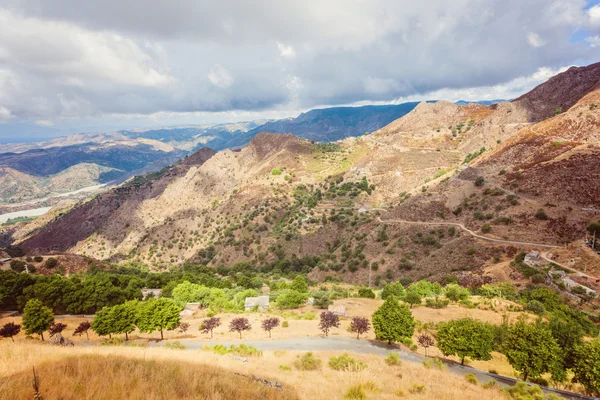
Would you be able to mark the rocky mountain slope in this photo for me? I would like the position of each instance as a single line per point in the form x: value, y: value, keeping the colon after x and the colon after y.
x: 341, y: 209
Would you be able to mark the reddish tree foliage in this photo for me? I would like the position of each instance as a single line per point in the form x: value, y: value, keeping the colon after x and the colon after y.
x: 270, y: 323
x: 360, y: 325
x: 328, y: 320
x: 57, y: 328
x: 425, y: 341
x: 239, y: 325
x: 184, y: 327
x: 9, y: 330
x: 208, y: 325
x: 83, y: 327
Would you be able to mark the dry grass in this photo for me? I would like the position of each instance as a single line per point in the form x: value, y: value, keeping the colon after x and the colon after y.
x: 88, y: 370
x: 116, y: 377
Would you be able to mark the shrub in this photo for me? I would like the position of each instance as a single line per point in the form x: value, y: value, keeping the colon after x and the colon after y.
x: 366, y: 293
x: 416, y: 388
x: 276, y: 171
x: 322, y: 299
x: 346, y: 363
x: 285, y: 368
x: 176, y: 345
x: 456, y: 292
x: 290, y: 299
x: 38, y: 258
x: 356, y: 392
x: 480, y: 181
x: 471, y: 379
x: 490, y: 385
x: 486, y: 228
x: 51, y: 262
x: 541, y: 214
x: 308, y: 362
x: 434, y: 363
x: 285, y: 324
x: 393, y: 359
x: 536, y: 307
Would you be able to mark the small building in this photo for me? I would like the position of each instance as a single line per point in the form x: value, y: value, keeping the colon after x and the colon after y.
x: 151, y: 293
x: 337, y: 310
x: 533, y: 258
x: 262, y: 302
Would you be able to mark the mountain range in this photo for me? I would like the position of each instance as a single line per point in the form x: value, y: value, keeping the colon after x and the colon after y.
x: 30, y: 171
x: 443, y: 189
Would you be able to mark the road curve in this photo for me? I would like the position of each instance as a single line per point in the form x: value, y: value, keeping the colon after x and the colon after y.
x: 470, y: 232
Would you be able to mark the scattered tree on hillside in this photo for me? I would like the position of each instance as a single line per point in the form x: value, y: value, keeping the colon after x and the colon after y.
x: 183, y: 327
x: 586, y: 366
x: 393, y: 289
x: 568, y: 335
x: 322, y: 299
x: 270, y: 323
x: 56, y: 328
x: 328, y: 320
x: 159, y: 314
x: 37, y: 318
x: 465, y: 338
x: 299, y: 284
x: 9, y: 330
x: 532, y: 350
x: 412, y: 298
x: 102, y: 323
x: 239, y: 325
x: 393, y: 321
x: 360, y: 325
x: 210, y: 324
x: 425, y: 341
x: 83, y: 328
x: 51, y: 262
x: 124, y: 317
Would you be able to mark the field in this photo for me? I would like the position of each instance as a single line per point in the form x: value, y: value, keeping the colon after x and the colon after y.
x: 163, y: 373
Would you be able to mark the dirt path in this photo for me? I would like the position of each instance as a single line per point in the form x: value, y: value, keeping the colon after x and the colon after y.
x: 470, y: 232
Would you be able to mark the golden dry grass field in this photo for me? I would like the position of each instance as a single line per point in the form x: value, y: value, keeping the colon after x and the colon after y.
x: 106, y: 372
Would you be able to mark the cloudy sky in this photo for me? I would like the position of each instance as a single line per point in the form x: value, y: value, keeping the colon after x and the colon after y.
x: 70, y: 66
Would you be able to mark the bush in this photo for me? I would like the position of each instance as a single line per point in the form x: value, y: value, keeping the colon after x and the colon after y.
x: 486, y: 228
x: 434, y: 363
x: 285, y: 368
x: 490, y: 385
x: 393, y: 359
x: 541, y: 214
x: 176, y: 345
x: 456, y: 292
x: 480, y: 181
x: 346, y: 363
x: 536, y: 307
x: 308, y: 362
x: 38, y: 258
x: 285, y: 324
x: 356, y: 392
x: 366, y: 293
x: 276, y: 171
x: 290, y: 299
x: 416, y: 388
x: 437, y: 302
x: 51, y: 262
x: 471, y: 379
x: 322, y: 299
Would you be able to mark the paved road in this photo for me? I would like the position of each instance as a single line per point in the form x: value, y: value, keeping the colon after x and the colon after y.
x: 470, y: 232
x: 365, y: 347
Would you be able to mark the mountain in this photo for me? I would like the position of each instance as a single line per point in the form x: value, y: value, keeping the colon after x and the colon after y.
x: 375, y: 205
x: 331, y: 124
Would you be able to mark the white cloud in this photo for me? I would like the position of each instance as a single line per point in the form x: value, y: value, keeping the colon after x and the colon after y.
x: 286, y: 52
x: 535, y: 40
x: 594, y: 15
x: 44, y: 122
x: 593, y: 41
x: 5, y: 114
x: 220, y: 77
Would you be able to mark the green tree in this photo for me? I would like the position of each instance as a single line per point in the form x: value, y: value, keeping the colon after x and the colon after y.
x: 322, y: 299
x: 37, y: 318
x: 456, y: 292
x: 393, y: 321
x: 159, y: 314
x: 393, y: 289
x: 124, y: 317
x: 586, y: 366
x: 290, y: 299
x: 299, y: 284
x: 465, y: 337
x: 413, y: 298
x: 568, y: 335
x: 103, y: 322
x: 532, y: 350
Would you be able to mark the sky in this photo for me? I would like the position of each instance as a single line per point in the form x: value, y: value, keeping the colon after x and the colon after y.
x: 78, y: 66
